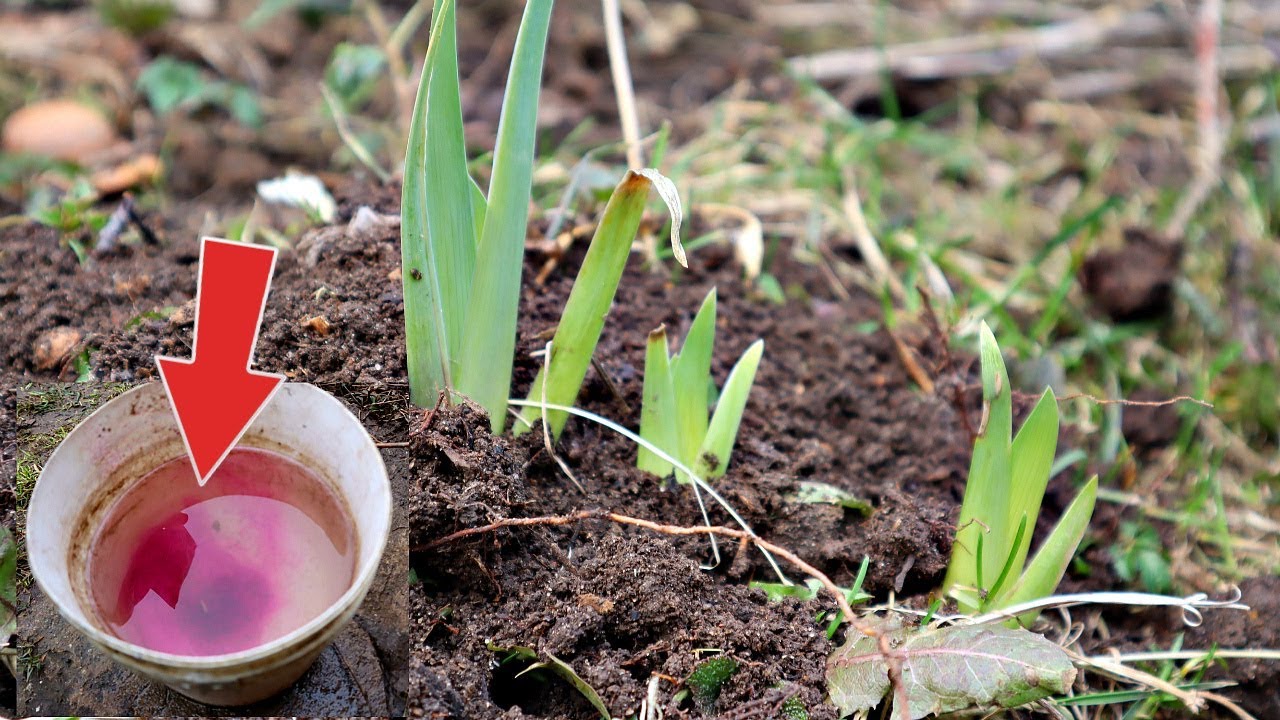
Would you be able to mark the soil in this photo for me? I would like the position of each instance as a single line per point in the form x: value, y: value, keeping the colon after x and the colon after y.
x: 831, y: 404
x: 1256, y: 628
x: 1134, y: 281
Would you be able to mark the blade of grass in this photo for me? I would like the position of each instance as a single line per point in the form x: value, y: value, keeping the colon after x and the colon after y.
x: 426, y: 343
x: 984, y: 510
x: 690, y: 374
x: 1050, y: 562
x: 484, y: 373
x: 658, y: 407
x: 450, y: 229
x: 1032, y: 456
x: 713, y: 456
x: 589, y: 301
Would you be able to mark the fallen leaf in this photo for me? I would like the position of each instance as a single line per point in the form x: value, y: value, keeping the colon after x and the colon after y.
x: 948, y: 669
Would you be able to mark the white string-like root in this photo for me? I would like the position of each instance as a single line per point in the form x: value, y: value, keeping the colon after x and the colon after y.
x: 1191, y: 605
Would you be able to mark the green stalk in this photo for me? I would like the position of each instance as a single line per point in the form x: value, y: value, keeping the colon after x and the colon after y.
x: 1032, y: 457
x: 985, y: 509
x: 691, y: 375
x: 451, y: 235
x: 484, y: 372
x: 1050, y: 562
x: 658, y: 406
x: 713, y: 456
x: 426, y: 338
x: 588, y: 304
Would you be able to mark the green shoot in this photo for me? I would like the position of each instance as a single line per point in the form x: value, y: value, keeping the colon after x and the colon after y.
x: 589, y: 300
x: 676, y: 399
x: 1007, y: 480
x: 463, y: 253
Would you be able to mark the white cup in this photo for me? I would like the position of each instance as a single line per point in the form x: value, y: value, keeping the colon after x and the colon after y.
x: 136, y: 433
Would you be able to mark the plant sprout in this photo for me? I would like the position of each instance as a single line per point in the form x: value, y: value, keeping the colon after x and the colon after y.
x: 463, y: 253
x: 1007, y: 480
x: 677, y: 390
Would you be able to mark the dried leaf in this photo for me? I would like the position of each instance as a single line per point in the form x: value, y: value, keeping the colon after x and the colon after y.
x: 949, y: 669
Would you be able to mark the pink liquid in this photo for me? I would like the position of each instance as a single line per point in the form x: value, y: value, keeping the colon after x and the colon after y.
x: 264, y: 547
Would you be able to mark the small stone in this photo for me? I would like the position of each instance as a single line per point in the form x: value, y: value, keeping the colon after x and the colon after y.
x: 53, y: 347
x: 395, y: 275
x: 142, y: 170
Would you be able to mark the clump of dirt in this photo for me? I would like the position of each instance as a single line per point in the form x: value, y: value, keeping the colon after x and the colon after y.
x: 1135, y: 281
x: 1150, y: 427
x: 1256, y: 628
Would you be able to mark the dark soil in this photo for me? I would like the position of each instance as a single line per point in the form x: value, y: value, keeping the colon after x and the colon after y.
x: 1257, y: 628
x: 1134, y: 281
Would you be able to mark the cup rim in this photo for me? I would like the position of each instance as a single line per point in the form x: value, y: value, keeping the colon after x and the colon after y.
x: 358, y: 588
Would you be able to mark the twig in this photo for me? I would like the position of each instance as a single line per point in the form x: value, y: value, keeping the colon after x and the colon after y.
x: 1139, y: 403
x: 912, y: 367
x: 349, y: 138
x: 401, y: 82
x: 981, y: 53
x: 622, y: 87
x: 866, y: 242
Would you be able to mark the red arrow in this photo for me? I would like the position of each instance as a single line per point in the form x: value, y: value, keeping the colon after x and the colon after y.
x: 215, y: 395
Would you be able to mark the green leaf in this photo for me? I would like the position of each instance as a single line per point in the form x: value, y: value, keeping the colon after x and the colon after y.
x: 658, y: 406
x: 820, y: 493
x: 775, y: 592
x: 722, y: 432
x: 1031, y: 459
x: 566, y: 671
x: 985, y: 509
x: 168, y: 83
x: 588, y: 304
x: 1050, y: 562
x: 450, y: 214
x: 484, y: 373
x: 353, y: 72
x: 426, y: 341
x: 949, y: 669
x: 8, y: 586
x: 690, y: 374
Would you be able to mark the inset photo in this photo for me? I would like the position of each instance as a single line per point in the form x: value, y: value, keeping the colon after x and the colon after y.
x: 277, y: 586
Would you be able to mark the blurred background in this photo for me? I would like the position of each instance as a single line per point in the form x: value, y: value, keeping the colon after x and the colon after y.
x: 1099, y: 180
